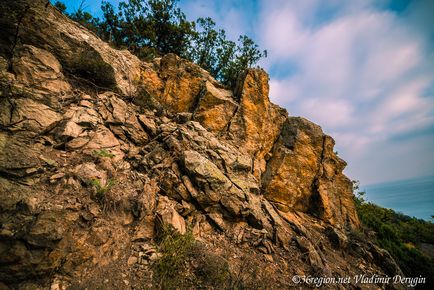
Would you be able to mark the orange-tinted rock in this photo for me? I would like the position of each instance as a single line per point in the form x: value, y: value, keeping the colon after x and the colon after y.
x: 183, y: 83
x: 216, y: 108
x: 150, y: 85
x: 304, y: 174
x: 257, y: 122
x: 335, y: 190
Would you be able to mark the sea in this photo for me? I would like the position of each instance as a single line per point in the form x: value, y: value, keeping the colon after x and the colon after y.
x: 413, y: 197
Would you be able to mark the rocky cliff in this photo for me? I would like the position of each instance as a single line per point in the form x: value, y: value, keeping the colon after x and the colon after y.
x: 99, y: 151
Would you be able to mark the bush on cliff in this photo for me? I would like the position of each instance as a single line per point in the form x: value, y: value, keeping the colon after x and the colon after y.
x: 399, y: 234
x: 186, y: 263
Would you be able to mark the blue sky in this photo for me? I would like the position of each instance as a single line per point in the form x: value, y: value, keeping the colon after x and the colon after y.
x: 362, y: 69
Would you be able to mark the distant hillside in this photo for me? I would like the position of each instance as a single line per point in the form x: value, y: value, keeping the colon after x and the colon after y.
x: 408, y: 239
x: 414, y: 197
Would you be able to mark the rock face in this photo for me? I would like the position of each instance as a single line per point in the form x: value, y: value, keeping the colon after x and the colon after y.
x: 99, y: 151
x: 305, y: 174
x: 257, y: 124
x: 77, y: 50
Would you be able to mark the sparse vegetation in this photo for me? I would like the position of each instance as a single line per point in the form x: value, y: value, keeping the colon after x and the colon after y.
x: 210, y: 269
x: 175, y: 249
x: 101, y: 189
x: 103, y: 154
x: 186, y: 264
x: 401, y: 235
x: 249, y: 274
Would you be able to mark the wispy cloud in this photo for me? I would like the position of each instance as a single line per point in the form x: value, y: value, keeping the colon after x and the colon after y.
x: 361, y: 71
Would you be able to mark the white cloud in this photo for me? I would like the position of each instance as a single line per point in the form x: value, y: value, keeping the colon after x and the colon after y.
x: 283, y: 34
x: 336, y: 114
x: 283, y: 91
x: 353, y: 142
x: 403, y: 101
x: 384, y: 162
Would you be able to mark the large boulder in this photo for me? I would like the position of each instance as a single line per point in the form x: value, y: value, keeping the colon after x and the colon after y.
x: 304, y: 174
x: 256, y: 124
x: 17, y: 158
x: 28, y: 115
x: 38, y: 68
x: 177, y: 86
x: 182, y: 83
x: 216, y: 107
x: 79, y: 51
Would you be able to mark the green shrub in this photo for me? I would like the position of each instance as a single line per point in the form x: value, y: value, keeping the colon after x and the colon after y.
x: 100, y: 189
x: 187, y: 264
x: 210, y: 269
x: 394, y: 232
x: 102, y: 153
x: 170, y: 269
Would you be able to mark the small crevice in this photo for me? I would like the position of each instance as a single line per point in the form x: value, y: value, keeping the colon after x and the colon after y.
x: 268, y: 162
x: 316, y: 204
x: 272, y: 202
x: 12, y: 111
x: 227, y: 127
x: 16, y: 38
x: 198, y: 98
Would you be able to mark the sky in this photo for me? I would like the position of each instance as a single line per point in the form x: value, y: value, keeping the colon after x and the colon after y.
x: 362, y: 69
